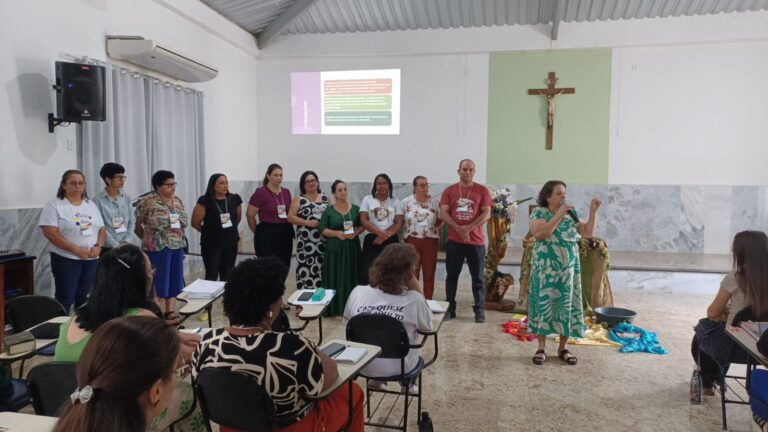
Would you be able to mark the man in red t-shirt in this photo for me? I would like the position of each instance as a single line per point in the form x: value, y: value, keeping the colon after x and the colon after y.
x: 465, y: 207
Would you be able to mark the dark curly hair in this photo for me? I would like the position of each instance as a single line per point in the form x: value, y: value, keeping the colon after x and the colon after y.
x: 393, y: 268
x: 386, y: 179
x: 252, y: 287
x: 546, y: 191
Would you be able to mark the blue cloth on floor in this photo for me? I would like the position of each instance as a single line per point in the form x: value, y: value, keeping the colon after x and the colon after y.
x: 647, y: 342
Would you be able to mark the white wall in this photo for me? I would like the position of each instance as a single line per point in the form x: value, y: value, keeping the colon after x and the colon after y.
x: 693, y: 114
x: 444, y: 104
x: 689, y: 95
x: 34, y: 34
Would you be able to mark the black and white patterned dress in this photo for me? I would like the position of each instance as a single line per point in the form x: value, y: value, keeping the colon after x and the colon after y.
x: 285, y: 364
x: 310, y: 245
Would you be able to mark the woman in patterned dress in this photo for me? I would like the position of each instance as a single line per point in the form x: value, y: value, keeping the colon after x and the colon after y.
x: 555, y: 297
x: 305, y: 212
x: 288, y: 366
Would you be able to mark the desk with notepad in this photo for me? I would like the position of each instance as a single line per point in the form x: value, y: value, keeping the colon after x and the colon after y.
x: 199, y: 296
x: 14, y: 421
x: 348, y: 370
x: 40, y: 344
x: 311, y: 309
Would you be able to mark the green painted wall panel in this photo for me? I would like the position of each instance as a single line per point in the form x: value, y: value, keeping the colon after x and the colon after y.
x: 517, y: 121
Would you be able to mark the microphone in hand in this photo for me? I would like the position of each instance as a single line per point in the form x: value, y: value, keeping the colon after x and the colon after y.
x: 571, y: 212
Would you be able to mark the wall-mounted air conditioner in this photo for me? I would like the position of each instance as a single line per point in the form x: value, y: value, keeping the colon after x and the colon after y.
x: 151, y: 55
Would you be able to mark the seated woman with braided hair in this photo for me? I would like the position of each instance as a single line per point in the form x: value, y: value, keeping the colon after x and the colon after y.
x: 125, y: 376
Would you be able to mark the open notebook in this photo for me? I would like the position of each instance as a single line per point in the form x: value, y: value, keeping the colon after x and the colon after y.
x: 435, y: 306
x: 351, y: 355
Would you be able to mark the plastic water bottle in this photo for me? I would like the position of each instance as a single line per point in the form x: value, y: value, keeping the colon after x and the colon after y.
x: 695, y: 391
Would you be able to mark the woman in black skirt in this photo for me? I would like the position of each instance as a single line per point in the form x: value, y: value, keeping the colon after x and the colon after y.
x: 273, y: 235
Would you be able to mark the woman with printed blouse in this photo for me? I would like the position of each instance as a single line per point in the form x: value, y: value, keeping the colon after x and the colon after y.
x: 286, y: 365
x: 305, y: 212
x: 382, y: 217
x: 273, y: 235
x: 73, y: 225
x: 422, y: 225
x: 160, y: 222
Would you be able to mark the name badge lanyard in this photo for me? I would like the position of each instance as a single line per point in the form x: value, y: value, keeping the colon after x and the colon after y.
x: 226, y: 219
x: 118, y: 222
x: 280, y: 205
x: 173, y: 216
x: 349, y: 227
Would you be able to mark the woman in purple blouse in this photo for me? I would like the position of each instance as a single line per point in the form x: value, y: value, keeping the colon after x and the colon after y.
x: 273, y: 235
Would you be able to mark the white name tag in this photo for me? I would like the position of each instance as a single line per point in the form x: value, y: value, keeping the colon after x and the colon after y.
x: 281, y: 212
x: 349, y: 227
x: 226, y: 220
x: 422, y: 218
x: 84, y: 223
x: 175, y: 222
x: 118, y: 223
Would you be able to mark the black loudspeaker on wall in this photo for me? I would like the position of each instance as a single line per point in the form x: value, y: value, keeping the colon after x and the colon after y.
x: 79, y: 94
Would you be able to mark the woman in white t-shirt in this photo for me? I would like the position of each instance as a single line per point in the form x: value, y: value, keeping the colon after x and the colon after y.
x: 73, y: 225
x: 382, y: 217
x: 393, y: 291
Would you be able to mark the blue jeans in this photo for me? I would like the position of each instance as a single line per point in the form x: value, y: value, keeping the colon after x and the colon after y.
x: 455, y: 254
x: 73, y: 279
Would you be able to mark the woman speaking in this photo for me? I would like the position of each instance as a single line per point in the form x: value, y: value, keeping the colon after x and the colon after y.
x: 555, y: 297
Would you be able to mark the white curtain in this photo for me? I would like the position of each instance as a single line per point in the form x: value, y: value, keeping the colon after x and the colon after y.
x: 151, y: 125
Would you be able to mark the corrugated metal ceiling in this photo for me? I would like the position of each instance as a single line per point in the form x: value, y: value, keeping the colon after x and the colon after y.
x: 344, y: 16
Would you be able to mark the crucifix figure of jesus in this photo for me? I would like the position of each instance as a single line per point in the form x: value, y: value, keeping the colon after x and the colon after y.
x: 550, y: 93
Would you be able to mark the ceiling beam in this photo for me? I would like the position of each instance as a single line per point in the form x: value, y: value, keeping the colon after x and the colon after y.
x: 274, y: 29
x: 557, y: 13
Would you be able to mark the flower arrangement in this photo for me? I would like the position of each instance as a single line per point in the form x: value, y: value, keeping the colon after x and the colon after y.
x: 588, y: 244
x: 503, y: 203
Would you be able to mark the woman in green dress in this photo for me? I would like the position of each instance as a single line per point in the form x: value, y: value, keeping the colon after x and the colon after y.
x: 554, y: 304
x: 340, y: 225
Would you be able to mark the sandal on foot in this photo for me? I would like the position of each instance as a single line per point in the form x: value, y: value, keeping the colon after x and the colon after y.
x: 172, y: 318
x: 567, y: 357
x: 539, y: 357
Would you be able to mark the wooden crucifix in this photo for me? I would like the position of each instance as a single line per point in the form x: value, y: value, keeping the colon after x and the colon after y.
x: 550, y: 93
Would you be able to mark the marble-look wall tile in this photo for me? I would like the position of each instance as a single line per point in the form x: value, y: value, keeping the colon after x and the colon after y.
x: 745, y: 206
x: 716, y: 209
x: 649, y: 218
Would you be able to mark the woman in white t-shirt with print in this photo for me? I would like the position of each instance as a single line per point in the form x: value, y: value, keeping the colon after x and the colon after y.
x: 422, y: 225
x: 393, y: 291
x: 73, y: 225
x: 382, y: 217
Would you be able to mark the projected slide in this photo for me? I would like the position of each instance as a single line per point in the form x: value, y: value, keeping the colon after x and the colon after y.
x: 346, y: 102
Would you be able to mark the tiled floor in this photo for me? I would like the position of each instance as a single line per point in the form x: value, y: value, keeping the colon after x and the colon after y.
x: 484, y: 380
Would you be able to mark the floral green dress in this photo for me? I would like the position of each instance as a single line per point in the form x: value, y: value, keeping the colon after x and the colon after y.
x: 554, y: 304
